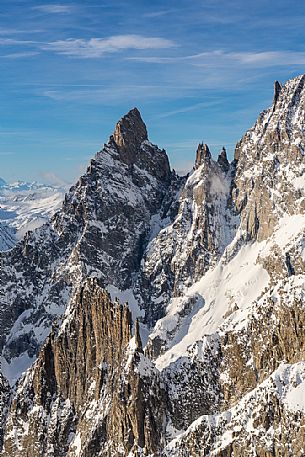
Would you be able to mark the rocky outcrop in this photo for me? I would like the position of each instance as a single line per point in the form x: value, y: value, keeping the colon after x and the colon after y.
x: 203, y: 155
x: 129, y: 133
x: 262, y: 424
x: 91, y: 386
x: 253, y: 353
x: 270, y: 163
x: 193, y: 383
x: 186, y: 249
x: 223, y: 160
x: 277, y: 90
x: 255, y: 378
x: 5, y: 395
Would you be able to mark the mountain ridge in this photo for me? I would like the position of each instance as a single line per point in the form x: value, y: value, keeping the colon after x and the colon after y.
x: 212, y: 266
x: 25, y: 206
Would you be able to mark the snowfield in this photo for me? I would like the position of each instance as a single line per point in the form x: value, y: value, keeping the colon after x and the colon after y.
x: 24, y: 207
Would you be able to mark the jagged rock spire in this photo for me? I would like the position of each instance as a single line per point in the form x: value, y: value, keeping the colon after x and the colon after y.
x: 203, y: 155
x: 137, y: 335
x: 130, y: 144
x: 130, y: 132
x: 223, y: 160
x: 277, y: 91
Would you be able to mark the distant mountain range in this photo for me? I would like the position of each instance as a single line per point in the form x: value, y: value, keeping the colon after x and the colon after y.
x: 25, y: 206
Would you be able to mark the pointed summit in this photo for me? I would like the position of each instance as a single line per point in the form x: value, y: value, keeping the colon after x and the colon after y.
x: 203, y: 155
x: 130, y: 131
x: 277, y: 91
x: 132, y: 147
x: 223, y: 160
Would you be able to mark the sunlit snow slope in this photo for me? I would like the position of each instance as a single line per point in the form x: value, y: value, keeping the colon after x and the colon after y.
x: 25, y: 206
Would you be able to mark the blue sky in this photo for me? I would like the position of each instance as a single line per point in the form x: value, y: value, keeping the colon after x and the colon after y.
x: 197, y: 70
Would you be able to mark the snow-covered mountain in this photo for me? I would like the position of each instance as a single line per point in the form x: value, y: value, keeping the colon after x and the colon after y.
x: 207, y: 358
x: 25, y: 206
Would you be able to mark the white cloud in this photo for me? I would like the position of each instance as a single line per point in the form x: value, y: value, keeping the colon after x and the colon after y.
x: 10, y: 31
x: 261, y: 59
x: 186, y: 109
x: 12, y: 42
x: 270, y: 58
x: 218, y: 58
x: 53, y: 9
x: 97, y: 47
x: 160, y: 13
x: 19, y: 55
x: 112, y: 94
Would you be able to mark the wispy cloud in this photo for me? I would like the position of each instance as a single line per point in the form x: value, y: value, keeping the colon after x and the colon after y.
x: 20, y: 55
x: 262, y: 59
x: 53, y: 9
x: 155, y: 14
x: 116, y: 93
x: 12, y: 31
x: 221, y: 58
x: 90, y: 48
x: 97, y: 47
x: 187, y: 109
x: 6, y: 153
x: 13, y: 42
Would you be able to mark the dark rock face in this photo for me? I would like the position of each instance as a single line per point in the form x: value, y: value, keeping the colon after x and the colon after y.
x: 193, y: 384
x: 91, y: 385
x: 5, y: 395
x: 131, y: 139
x: 223, y: 161
x: 277, y: 91
x: 129, y: 134
x: 203, y: 155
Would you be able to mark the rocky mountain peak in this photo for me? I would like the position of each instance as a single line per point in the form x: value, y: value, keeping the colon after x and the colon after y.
x: 270, y: 162
x: 131, y: 145
x: 212, y: 266
x: 203, y: 155
x: 130, y: 131
x: 223, y: 160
